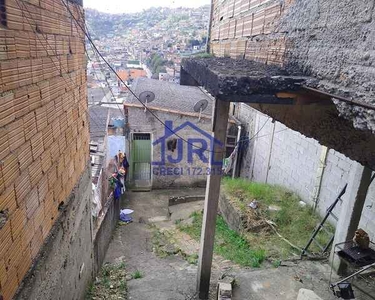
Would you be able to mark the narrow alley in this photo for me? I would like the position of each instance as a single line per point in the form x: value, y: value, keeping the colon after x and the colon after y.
x: 170, y: 278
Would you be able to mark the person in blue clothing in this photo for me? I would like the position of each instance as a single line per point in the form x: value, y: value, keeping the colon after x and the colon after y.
x: 118, y: 186
x: 125, y: 165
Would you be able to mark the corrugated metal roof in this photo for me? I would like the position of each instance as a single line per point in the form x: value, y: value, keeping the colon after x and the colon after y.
x: 170, y: 95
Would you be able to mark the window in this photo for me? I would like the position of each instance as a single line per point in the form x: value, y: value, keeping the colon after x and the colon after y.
x: 141, y: 137
x: 3, y: 14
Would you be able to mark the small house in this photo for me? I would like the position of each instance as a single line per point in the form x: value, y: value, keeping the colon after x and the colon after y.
x: 169, y: 135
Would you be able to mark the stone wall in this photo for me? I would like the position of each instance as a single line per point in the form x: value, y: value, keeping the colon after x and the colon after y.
x: 284, y: 157
x: 231, y: 215
x: 43, y: 144
x: 332, y: 40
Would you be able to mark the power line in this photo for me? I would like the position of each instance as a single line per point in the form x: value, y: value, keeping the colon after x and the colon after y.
x: 130, y: 90
x: 136, y: 97
x: 98, y: 60
x: 246, y: 140
x: 256, y: 134
x: 36, y: 34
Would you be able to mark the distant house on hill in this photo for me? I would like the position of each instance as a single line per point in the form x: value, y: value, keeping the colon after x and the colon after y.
x: 164, y: 76
x: 134, y: 64
x: 129, y: 75
x: 158, y: 157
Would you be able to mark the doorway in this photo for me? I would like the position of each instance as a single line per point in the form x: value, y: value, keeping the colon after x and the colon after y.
x: 141, y: 161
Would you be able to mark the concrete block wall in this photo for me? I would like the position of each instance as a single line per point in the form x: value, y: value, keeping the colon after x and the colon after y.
x: 294, y: 162
x: 259, y: 162
x: 335, y: 176
x: 43, y: 128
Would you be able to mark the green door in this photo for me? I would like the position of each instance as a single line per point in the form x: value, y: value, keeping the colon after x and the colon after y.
x: 141, y: 160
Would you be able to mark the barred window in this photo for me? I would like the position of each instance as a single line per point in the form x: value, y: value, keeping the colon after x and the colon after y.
x: 3, y: 13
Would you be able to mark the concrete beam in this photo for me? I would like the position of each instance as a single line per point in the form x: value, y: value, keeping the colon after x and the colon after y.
x: 220, y: 122
x: 187, y: 79
x: 323, y: 123
x: 351, y: 210
x: 237, y: 80
x: 286, y: 97
x: 264, y: 99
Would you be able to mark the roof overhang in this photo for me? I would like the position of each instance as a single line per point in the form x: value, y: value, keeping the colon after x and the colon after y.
x: 284, y: 97
x: 176, y: 112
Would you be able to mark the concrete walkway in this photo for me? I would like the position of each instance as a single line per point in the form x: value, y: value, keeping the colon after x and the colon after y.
x: 170, y: 278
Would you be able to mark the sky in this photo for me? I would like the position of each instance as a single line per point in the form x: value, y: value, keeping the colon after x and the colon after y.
x: 131, y: 6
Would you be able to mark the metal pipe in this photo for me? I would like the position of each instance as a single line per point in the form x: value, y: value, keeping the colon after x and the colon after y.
x: 353, y: 275
x: 238, y: 151
x: 343, y: 99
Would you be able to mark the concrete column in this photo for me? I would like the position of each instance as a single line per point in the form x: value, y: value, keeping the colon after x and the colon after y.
x: 220, y: 123
x: 351, y: 210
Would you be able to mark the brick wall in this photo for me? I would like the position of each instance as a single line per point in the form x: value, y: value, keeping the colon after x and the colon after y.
x: 43, y: 127
x: 236, y: 23
x: 289, y: 159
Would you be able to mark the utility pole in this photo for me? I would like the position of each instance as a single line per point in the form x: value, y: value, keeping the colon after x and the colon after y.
x: 220, y: 123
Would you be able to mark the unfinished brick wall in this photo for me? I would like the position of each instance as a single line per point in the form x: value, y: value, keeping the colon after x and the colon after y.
x: 43, y: 127
x: 237, y: 23
x: 331, y: 40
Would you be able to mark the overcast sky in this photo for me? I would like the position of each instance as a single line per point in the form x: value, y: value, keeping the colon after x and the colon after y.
x: 130, y: 6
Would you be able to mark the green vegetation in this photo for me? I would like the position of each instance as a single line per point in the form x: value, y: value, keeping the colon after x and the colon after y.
x: 228, y: 243
x: 137, y: 275
x: 157, y: 64
x: 277, y: 206
x: 164, y: 246
x: 294, y: 222
x: 111, y: 283
x: 159, y: 241
x: 192, y: 259
x: 276, y: 263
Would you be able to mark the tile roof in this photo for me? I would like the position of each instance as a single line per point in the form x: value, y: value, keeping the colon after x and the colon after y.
x: 131, y: 73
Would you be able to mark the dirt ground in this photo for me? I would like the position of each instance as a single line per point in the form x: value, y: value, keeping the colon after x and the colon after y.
x: 173, y: 278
